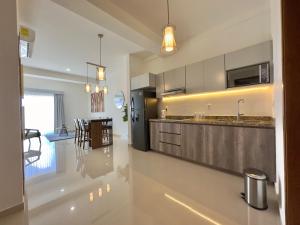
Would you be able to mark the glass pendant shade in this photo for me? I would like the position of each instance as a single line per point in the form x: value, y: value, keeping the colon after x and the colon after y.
x: 105, y: 90
x: 97, y: 89
x: 87, y: 88
x: 101, y: 73
x: 169, y: 42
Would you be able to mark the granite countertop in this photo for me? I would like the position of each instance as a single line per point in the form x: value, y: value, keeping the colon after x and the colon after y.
x: 245, y: 121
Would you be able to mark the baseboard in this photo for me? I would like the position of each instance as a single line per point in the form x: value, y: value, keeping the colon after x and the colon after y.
x: 12, y: 210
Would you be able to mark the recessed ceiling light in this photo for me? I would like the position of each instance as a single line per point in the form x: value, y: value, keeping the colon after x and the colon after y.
x: 68, y: 70
x: 72, y: 208
x: 62, y: 190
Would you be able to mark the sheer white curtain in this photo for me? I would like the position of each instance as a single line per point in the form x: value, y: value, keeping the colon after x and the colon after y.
x: 59, y: 112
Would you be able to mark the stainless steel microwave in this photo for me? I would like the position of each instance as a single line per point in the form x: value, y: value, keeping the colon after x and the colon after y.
x: 249, y: 75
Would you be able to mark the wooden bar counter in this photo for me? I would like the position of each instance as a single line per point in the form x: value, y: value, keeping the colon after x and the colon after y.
x: 101, y: 132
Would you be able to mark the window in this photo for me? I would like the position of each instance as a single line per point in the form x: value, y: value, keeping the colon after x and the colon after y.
x: 39, y: 112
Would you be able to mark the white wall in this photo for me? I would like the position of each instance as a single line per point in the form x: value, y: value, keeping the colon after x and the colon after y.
x: 278, y: 100
x: 117, y: 80
x: 75, y: 98
x: 11, y: 193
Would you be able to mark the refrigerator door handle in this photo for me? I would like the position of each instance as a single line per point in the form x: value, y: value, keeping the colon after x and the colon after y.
x: 132, y: 110
x: 137, y: 116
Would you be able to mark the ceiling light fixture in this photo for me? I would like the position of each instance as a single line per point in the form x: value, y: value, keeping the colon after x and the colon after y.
x: 100, y: 74
x: 97, y: 89
x: 169, y: 42
x: 105, y: 90
x: 100, y: 69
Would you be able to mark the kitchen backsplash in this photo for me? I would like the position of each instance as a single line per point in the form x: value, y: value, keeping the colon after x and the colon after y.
x: 257, y: 103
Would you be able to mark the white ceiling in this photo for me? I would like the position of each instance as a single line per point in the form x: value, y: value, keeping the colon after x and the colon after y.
x: 66, y: 30
x: 67, y: 40
x: 191, y: 17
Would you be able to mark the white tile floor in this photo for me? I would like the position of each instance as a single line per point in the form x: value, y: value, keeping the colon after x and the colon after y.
x: 122, y: 186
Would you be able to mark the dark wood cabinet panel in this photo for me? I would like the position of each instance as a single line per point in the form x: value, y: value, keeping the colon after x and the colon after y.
x: 154, y: 136
x: 170, y: 149
x: 192, y: 143
x: 219, y: 146
x: 172, y: 128
x: 258, y: 147
x: 225, y: 147
x: 174, y: 139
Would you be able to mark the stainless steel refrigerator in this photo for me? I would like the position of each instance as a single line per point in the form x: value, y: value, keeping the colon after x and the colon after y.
x: 143, y: 107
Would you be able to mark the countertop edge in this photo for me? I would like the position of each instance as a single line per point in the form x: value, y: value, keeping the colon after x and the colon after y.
x: 217, y: 123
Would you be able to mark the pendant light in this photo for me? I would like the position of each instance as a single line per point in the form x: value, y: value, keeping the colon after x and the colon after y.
x: 97, y: 89
x: 87, y: 84
x: 105, y: 90
x: 100, y: 69
x: 169, y: 42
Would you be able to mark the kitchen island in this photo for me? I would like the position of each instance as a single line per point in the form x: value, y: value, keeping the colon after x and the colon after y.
x: 219, y: 142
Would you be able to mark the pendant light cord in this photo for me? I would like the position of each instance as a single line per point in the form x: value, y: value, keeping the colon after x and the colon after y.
x: 87, y: 73
x: 100, y: 51
x: 168, y: 12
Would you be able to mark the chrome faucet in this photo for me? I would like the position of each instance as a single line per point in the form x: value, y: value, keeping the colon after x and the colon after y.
x: 241, y: 100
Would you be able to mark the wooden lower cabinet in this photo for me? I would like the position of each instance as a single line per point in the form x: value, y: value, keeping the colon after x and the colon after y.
x: 225, y: 147
x: 154, y: 136
x: 257, y: 146
x: 193, y: 147
x: 170, y: 149
x: 219, y: 147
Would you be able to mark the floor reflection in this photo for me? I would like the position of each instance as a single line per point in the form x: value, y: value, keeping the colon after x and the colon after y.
x: 94, y: 163
x: 38, y: 163
x: 121, y: 186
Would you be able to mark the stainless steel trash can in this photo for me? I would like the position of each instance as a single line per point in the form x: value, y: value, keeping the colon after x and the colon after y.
x: 255, y: 187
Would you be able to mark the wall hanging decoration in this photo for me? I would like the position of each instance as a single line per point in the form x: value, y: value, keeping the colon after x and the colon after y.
x: 97, y: 102
x: 119, y: 99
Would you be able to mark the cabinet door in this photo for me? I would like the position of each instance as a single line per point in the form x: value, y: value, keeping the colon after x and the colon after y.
x: 219, y: 142
x: 154, y: 136
x: 195, y: 78
x: 174, y: 78
x: 214, y: 74
x: 159, y: 84
x: 249, y: 56
x: 258, y: 147
x: 192, y: 143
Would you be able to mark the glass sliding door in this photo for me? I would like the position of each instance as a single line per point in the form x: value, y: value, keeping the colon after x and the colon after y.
x: 39, y: 112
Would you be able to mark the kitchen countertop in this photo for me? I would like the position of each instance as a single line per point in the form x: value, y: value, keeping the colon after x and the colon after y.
x: 258, y: 122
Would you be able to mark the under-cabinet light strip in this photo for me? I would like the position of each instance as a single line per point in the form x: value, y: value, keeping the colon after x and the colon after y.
x: 223, y: 93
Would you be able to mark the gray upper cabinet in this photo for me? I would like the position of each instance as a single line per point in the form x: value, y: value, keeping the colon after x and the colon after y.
x: 214, y: 74
x: 174, y: 78
x: 195, y: 78
x: 159, y: 84
x: 249, y: 56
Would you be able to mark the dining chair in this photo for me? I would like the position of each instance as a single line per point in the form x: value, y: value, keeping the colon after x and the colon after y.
x: 85, y: 132
x: 77, y: 131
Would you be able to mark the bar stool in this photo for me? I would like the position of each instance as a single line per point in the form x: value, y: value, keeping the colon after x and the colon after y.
x: 77, y: 131
x: 84, y: 132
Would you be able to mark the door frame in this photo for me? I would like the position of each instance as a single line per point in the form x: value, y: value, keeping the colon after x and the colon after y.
x: 291, y: 81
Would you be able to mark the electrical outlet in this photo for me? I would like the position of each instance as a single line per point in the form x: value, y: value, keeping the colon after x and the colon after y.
x: 209, y: 105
